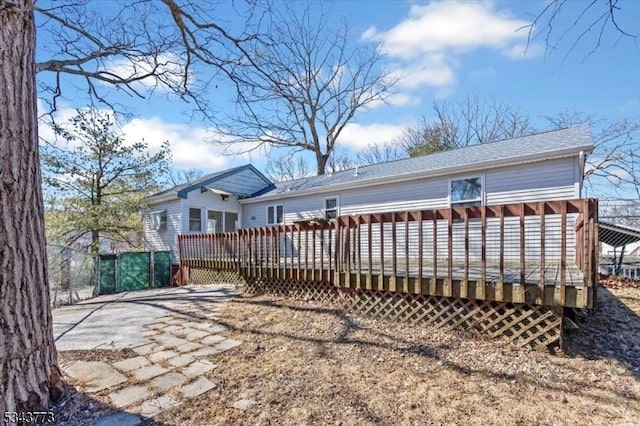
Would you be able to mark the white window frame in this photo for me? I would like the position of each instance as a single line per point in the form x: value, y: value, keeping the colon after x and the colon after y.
x: 189, y: 219
x: 159, y: 224
x: 275, y: 214
x: 223, y: 222
x: 324, y: 206
x: 237, y: 224
x: 209, y: 231
x: 481, y: 199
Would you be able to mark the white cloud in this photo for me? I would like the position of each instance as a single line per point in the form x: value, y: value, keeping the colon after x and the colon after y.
x: 190, y: 146
x: 398, y: 98
x: 524, y: 51
x: 360, y: 136
x: 432, y: 70
x: 404, y: 99
x: 168, y: 70
x: 428, y: 44
x: 441, y: 26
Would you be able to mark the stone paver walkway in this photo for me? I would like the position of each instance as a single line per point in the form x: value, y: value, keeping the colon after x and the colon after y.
x: 173, y: 362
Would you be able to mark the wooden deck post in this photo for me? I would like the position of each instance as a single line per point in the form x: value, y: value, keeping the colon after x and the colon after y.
x: 500, y: 286
x: 420, y: 253
x: 369, y: 284
x: 393, y: 286
x: 447, y: 290
x: 337, y: 263
x: 299, y: 230
x: 464, y: 288
x: 542, y: 213
x: 563, y: 252
x: 405, y: 282
x: 359, y: 251
x: 483, y: 254
x: 313, y: 253
x: 523, y: 284
x: 434, y: 280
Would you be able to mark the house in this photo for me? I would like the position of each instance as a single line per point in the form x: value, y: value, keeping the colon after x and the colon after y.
x: 540, y: 167
x: 210, y: 204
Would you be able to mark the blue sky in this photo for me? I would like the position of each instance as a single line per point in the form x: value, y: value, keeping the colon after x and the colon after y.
x: 445, y: 51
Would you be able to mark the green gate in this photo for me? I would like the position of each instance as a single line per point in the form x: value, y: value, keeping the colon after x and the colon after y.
x: 107, y: 282
x: 134, y: 271
x: 161, y: 269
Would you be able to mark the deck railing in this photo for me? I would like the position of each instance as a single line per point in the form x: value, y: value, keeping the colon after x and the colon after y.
x: 542, y: 252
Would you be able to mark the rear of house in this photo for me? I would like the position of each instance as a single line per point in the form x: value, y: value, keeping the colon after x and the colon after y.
x: 493, y: 238
x: 541, y: 167
x: 207, y: 205
x: 544, y: 166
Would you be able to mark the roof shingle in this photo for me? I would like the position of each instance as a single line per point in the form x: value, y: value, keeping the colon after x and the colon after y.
x: 576, y: 137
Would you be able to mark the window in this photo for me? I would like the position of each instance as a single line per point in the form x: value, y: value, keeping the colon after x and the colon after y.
x: 466, y: 192
x: 230, y: 221
x: 330, y: 208
x: 195, y: 220
x: 275, y: 215
x: 158, y: 220
x: 214, y: 221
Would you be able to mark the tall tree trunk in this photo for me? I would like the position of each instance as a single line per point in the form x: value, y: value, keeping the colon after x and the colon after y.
x: 95, y: 242
x: 321, y: 161
x: 29, y: 376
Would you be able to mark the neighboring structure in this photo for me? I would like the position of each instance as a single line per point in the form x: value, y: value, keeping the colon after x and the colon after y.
x: 619, y: 250
x: 541, y: 167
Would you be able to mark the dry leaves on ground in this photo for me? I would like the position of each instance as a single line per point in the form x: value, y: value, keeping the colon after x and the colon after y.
x: 305, y: 363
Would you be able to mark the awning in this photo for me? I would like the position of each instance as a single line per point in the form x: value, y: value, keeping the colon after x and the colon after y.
x: 221, y: 192
x: 617, y: 235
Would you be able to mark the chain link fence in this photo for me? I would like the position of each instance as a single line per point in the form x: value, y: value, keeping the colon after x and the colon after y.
x: 73, y: 275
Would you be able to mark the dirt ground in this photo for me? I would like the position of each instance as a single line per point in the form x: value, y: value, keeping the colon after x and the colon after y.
x: 306, y: 363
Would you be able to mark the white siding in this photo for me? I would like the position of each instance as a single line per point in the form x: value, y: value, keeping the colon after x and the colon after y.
x: 166, y: 239
x: 208, y: 201
x: 540, y: 181
x: 243, y: 182
x: 178, y: 218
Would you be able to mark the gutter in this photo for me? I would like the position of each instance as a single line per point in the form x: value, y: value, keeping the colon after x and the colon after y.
x: 567, y: 152
x: 160, y: 198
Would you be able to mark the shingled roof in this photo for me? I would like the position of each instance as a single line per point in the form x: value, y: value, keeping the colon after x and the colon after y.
x: 181, y: 190
x: 549, y: 144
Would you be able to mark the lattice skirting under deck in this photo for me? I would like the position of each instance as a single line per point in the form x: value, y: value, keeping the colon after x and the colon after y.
x: 210, y: 276
x: 519, y: 324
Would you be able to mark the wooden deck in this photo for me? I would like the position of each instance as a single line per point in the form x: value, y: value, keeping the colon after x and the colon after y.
x: 538, y: 253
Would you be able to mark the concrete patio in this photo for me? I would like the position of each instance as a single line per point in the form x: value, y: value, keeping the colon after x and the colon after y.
x: 173, y: 331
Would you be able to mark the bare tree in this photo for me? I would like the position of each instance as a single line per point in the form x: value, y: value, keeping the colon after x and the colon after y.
x: 381, y: 153
x: 340, y: 160
x: 300, y: 87
x: 470, y: 122
x: 138, y: 47
x: 287, y: 167
x: 614, y: 165
x: 582, y: 21
x: 179, y: 177
x: 453, y: 125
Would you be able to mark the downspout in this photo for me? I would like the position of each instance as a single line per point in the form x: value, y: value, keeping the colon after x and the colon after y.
x: 582, y: 159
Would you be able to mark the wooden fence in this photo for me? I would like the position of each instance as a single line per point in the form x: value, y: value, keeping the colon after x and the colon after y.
x: 542, y: 253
